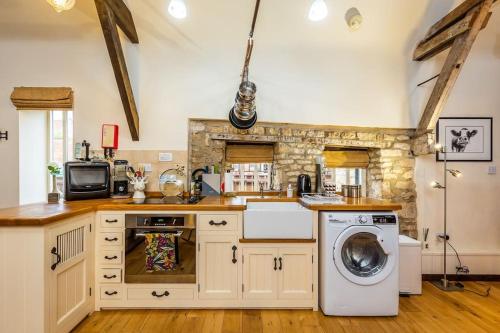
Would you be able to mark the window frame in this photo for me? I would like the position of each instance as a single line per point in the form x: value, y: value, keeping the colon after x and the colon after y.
x: 50, y: 142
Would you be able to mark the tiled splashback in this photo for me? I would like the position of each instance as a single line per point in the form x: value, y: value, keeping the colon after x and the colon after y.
x: 135, y: 157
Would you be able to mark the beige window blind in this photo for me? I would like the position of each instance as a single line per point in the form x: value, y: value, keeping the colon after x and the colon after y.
x: 42, y: 98
x: 346, y: 158
x: 249, y: 153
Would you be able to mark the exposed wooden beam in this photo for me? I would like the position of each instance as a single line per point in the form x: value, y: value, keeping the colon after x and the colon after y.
x: 455, y: 15
x: 454, y: 62
x: 108, y: 21
x: 430, y: 47
x: 123, y: 18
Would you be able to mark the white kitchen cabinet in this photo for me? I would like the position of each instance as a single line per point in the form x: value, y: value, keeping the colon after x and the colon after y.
x: 278, y: 273
x: 295, y: 273
x: 260, y: 266
x: 218, y: 266
x: 70, y: 277
x: 42, y: 299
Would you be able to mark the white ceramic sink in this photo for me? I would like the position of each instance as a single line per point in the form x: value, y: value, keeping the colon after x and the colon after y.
x: 277, y: 220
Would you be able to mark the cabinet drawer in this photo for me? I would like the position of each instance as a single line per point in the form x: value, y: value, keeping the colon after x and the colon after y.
x: 112, y: 221
x: 216, y: 222
x: 111, y: 257
x: 111, y: 292
x: 160, y: 294
x: 110, y: 238
x: 110, y: 275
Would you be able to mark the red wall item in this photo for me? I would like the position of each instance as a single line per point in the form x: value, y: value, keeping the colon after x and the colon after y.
x: 109, y: 136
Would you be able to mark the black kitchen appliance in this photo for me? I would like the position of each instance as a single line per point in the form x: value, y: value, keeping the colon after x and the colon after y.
x: 303, y: 184
x: 120, y: 179
x: 86, y: 180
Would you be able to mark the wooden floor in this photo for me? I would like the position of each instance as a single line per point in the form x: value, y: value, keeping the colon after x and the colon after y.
x: 434, y: 311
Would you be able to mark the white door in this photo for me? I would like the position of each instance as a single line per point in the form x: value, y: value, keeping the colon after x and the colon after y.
x: 363, y: 255
x: 260, y: 267
x: 218, y: 267
x: 70, y: 274
x: 295, y: 273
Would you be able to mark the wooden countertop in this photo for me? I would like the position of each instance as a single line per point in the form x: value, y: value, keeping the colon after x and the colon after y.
x: 43, y: 213
x: 360, y: 204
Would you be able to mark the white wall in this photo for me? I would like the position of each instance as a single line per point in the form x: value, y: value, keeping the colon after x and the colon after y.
x: 32, y: 156
x: 474, y: 210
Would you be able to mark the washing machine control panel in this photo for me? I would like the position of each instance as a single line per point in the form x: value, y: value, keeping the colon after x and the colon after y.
x: 363, y: 219
x: 384, y: 219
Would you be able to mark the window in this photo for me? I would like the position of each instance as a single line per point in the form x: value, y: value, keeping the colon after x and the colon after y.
x: 346, y: 167
x: 346, y: 176
x: 60, y: 139
x: 251, y: 164
x: 246, y: 176
x: 44, y: 137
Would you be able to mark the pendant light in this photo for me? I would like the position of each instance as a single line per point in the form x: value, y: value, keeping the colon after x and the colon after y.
x: 243, y: 114
x: 61, y: 5
x: 318, y: 10
x: 178, y: 9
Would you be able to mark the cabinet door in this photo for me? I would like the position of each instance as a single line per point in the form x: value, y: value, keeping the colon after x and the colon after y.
x: 70, y: 273
x: 260, y: 269
x: 295, y: 273
x: 218, y: 267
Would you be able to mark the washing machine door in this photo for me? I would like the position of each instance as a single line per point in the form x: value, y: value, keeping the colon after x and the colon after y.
x: 361, y: 255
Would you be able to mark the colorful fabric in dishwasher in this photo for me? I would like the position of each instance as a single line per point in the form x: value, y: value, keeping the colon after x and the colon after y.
x: 160, y: 252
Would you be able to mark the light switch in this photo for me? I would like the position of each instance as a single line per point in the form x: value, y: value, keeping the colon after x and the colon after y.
x: 165, y: 157
x: 147, y: 167
x: 492, y: 170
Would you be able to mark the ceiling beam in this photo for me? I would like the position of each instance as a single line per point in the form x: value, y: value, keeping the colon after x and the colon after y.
x: 109, y: 22
x: 124, y: 19
x: 430, y: 47
x: 455, y: 15
x: 454, y: 62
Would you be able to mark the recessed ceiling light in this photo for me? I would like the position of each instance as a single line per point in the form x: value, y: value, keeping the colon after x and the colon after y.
x: 318, y: 10
x: 177, y: 8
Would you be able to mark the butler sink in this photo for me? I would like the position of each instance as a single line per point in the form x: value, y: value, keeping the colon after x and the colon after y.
x: 277, y: 220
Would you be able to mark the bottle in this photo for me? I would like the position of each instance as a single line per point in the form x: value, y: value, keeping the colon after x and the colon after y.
x: 289, y: 191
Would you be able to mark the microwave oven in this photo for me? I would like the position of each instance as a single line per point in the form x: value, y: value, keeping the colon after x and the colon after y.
x: 86, y: 180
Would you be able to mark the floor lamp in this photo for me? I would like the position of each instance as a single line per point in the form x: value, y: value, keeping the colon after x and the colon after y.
x: 444, y: 284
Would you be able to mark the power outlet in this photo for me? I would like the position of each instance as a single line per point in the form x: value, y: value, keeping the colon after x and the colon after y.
x: 492, y: 170
x: 165, y: 157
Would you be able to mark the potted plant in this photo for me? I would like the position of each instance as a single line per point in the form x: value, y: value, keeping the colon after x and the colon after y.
x: 54, y: 171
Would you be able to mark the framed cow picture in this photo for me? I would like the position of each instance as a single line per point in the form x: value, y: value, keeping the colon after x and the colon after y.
x: 465, y: 139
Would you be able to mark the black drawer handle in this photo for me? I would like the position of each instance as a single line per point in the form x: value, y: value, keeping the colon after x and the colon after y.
x: 110, y: 293
x: 109, y: 276
x: 281, y: 263
x: 111, y: 258
x: 234, y: 248
x: 112, y: 221
x: 166, y: 293
x: 58, y: 258
x: 275, y: 263
x: 111, y: 239
x: 212, y: 222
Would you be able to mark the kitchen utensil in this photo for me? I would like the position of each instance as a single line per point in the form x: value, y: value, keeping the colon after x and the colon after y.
x: 171, y: 182
x: 243, y: 114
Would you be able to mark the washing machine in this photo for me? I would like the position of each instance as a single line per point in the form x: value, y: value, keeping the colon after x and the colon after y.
x: 359, y: 259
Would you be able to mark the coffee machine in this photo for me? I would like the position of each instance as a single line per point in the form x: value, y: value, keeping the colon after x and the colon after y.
x: 120, y: 179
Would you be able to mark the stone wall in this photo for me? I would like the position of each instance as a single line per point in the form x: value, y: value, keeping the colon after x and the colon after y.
x: 391, y: 168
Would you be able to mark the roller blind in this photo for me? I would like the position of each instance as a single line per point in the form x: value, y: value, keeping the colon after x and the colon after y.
x: 346, y: 159
x: 249, y: 153
x: 42, y: 98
